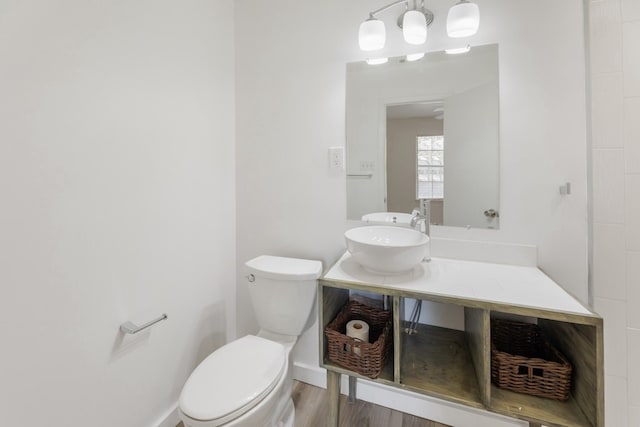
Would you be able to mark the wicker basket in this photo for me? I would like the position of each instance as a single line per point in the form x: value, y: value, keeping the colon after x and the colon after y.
x: 371, y: 357
x: 522, y: 360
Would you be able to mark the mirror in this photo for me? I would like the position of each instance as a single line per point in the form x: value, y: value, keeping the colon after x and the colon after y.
x: 426, y: 129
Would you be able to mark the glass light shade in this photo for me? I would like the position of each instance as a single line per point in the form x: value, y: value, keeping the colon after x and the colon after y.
x: 377, y: 61
x: 458, y: 50
x: 371, y: 35
x: 463, y: 19
x: 415, y: 56
x: 414, y: 27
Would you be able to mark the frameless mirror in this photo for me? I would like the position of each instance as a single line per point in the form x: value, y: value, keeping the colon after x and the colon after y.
x: 425, y: 130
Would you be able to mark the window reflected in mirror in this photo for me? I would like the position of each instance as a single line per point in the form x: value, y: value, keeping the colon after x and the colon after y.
x: 430, y: 167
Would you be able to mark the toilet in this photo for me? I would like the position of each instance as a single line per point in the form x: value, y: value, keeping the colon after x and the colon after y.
x: 247, y: 382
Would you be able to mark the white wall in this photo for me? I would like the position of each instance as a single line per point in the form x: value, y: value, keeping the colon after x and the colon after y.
x: 117, y: 203
x: 290, y: 95
x: 290, y: 72
x: 615, y: 108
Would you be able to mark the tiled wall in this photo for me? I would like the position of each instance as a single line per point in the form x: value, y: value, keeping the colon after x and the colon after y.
x: 614, y: 33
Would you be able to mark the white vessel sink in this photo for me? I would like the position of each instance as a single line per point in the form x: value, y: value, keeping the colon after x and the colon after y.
x: 386, y: 249
x: 388, y: 218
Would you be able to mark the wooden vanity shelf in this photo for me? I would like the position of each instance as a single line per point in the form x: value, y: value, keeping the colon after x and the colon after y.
x: 455, y: 365
x: 437, y: 361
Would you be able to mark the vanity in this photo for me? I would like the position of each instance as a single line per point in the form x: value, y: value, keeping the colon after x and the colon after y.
x: 454, y: 363
x: 468, y: 133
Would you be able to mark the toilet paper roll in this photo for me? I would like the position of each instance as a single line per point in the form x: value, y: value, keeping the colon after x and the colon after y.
x: 358, y: 329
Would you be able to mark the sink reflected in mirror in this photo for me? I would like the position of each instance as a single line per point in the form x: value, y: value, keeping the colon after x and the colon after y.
x: 386, y: 250
x: 399, y: 218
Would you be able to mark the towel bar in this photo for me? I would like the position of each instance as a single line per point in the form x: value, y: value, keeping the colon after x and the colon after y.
x: 131, y: 328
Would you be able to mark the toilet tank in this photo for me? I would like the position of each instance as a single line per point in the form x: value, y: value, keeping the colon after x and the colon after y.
x: 283, y: 292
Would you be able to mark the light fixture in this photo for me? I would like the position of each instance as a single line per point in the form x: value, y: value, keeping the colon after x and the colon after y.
x: 463, y: 19
x: 415, y: 56
x: 377, y: 61
x: 458, y: 50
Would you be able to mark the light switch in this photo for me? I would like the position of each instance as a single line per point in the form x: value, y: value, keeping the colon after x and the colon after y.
x: 336, y: 158
x: 367, y: 166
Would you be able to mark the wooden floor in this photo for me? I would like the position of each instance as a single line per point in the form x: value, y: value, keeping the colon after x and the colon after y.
x: 311, y: 410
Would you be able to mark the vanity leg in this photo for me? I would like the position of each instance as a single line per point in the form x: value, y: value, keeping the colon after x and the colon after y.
x: 352, y: 389
x: 333, y: 397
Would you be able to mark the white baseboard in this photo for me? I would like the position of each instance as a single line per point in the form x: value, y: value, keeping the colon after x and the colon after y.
x: 169, y: 419
x: 411, y: 403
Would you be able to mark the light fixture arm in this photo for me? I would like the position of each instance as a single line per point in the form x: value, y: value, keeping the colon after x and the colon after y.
x: 389, y: 6
x: 427, y: 13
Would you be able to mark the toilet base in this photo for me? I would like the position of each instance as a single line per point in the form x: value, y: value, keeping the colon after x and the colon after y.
x: 289, y: 415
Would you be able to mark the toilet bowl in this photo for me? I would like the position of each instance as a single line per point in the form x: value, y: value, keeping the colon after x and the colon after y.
x: 244, y: 383
x: 247, y: 382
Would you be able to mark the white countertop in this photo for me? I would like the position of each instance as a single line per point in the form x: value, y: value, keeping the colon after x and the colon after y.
x: 482, y: 281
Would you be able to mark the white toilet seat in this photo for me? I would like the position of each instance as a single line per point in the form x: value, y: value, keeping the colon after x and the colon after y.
x: 233, y: 379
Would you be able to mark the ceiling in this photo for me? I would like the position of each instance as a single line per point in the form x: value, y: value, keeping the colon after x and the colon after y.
x: 429, y: 109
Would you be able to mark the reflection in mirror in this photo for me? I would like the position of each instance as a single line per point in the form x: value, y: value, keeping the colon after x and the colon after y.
x: 425, y: 130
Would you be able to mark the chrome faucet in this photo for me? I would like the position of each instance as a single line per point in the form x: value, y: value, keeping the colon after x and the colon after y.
x: 422, y: 215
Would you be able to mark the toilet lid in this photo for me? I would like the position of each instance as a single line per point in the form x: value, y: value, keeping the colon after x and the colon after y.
x: 282, y: 268
x: 233, y: 379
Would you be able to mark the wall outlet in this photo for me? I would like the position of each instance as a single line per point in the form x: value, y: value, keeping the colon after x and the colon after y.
x: 336, y: 158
